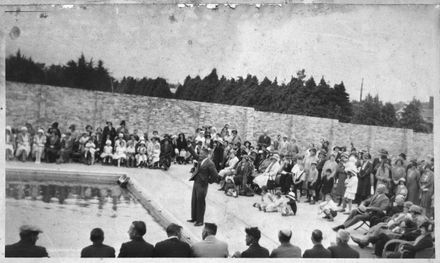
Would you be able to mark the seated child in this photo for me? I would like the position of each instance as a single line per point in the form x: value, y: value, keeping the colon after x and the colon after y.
x: 277, y: 204
x: 141, y: 156
x: 120, y: 148
x: 289, y: 207
x: 131, y: 151
x: 266, y: 198
x: 89, y: 151
x: 107, y: 156
x: 328, y: 207
x: 230, y: 187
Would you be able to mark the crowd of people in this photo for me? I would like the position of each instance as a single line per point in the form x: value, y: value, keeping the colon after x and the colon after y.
x: 367, y: 187
x: 176, y: 246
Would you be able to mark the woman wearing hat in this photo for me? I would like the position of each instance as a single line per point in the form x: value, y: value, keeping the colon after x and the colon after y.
x: 398, y: 171
x: 383, y: 174
x: 9, y: 143
x: 38, y: 146
x: 365, y: 179
x: 401, y: 188
x: 23, y: 144
x: 270, y: 172
x: 426, y: 184
x: 53, y: 146
x: 412, y: 182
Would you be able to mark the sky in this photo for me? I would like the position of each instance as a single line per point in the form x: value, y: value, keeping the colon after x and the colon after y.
x: 393, y: 48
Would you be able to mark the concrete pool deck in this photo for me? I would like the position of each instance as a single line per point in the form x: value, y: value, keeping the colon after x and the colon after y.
x: 168, y: 193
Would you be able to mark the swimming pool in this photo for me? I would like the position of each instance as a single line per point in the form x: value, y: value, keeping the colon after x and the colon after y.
x: 67, y: 209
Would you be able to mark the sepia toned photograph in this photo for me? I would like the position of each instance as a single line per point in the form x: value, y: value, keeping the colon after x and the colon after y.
x: 220, y: 130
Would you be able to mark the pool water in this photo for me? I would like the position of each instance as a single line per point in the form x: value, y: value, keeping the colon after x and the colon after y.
x: 67, y: 212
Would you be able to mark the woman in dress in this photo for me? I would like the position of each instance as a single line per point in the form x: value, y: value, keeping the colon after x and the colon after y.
x: 412, y: 183
x: 365, y: 179
x: 426, y: 189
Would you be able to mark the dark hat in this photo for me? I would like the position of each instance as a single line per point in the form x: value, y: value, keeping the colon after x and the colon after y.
x: 108, y: 122
x: 313, y: 149
x: 122, y: 123
x: 253, y: 232
x: 383, y: 151
x: 336, y: 147
x: 403, y: 156
x: 55, y: 124
x: 248, y: 142
x: 30, y: 228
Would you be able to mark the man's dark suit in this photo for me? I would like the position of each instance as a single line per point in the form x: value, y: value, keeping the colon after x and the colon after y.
x: 203, y: 174
x: 343, y: 251
x: 172, y: 248
x: 318, y: 251
x: 136, y: 248
x: 25, y: 250
x: 98, y: 251
x: 255, y: 251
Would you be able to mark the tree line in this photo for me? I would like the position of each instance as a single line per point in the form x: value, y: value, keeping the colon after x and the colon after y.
x: 300, y: 96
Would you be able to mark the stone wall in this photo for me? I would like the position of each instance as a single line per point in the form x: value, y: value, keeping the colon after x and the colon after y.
x: 41, y: 105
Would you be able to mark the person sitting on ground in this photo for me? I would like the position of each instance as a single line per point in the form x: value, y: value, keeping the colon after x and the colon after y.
x: 277, y: 204
x: 377, y: 203
x: 26, y: 246
x: 266, y: 199
x: 23, y: 145
x: 173, y: 246
x: 253, y: 236
x: 286, y: 249
x: 342, y: 249
x: 423, y: 241
x: 318, y: 250
x: 328, y: 208
x: 137, y: 247
x: 210, y: 247
x: 97, y: 249
x: 289, y: 207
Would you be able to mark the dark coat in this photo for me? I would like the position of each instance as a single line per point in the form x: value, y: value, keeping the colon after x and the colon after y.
x: 136, y: 248
x: 364, y: 181
x: 23, y: 249
x: 255, y: 251
x: 318, y: 251
x: 217, y: 157
x: 343, y: 251
x: 172, y: 248
x: 98, y: 251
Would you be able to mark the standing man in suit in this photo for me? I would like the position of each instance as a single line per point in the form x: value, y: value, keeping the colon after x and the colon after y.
x: 318, y: 251
x: 137, y: 247
x: 342, y: 249
x: 97, y: 249
x: 26, y: 246
x: 173, y: 247
x: 378, y: 203
x: 204, y: 173
x: 210, y: 247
